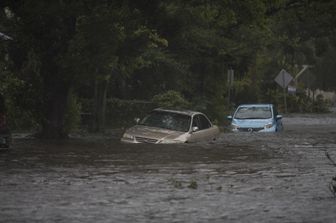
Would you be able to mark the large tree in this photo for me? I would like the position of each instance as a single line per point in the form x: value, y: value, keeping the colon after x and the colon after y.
x: 112, y: 41
x: 136, y: 49
x: 302, y: 32
x: 42, y: 32
x: 60, y: 45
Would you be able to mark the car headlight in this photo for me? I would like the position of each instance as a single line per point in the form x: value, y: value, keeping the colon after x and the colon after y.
x: 234, y: 127
x: 269, y: 125
x: 128, y: 136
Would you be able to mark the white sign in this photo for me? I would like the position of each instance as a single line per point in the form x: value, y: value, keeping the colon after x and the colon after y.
x: 291, y: 89
x: 283, y: 78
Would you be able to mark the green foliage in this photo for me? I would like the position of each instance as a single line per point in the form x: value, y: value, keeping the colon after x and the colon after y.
x: 325, y: 68
x: 320, y: 105
x: 20, y: 120
x: 299, y: 103
x: 144, y: 48
x: 119, y: 113
x: 171, y: 99
x: 20, y: 117
x: 245, y: 91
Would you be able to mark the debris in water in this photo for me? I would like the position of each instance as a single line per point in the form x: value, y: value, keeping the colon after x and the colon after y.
x: 329, y: 158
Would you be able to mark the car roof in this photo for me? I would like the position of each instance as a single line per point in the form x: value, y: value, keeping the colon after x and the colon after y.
x: 178, y: 111
x: 256, y: 105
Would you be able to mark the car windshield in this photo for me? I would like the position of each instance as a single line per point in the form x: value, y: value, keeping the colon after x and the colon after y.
x: 167, y: 120
x: 253, y: 113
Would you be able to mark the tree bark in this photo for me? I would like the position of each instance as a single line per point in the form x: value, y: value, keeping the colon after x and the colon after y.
x: 99, y: 115
x: 55, y: 111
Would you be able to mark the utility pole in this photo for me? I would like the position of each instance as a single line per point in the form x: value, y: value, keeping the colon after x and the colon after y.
x: 284, y: 92
x: 283, y: 79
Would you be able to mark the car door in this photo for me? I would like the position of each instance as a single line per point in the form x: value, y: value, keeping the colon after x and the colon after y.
x: 204, y: 132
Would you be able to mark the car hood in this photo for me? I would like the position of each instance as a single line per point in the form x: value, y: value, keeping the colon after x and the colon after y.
x: 251, y: 123
x: 153, y: 132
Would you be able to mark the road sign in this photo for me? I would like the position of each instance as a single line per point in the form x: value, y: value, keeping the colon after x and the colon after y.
x: 283, y: 78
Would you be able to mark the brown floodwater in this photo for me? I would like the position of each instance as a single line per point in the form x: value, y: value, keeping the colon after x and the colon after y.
x: 248, y: 177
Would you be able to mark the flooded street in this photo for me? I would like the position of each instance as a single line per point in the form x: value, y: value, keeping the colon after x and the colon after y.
x: 239, y: 178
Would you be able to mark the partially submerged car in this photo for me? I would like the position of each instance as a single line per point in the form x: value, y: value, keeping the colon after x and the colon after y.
x: 5, y: 136
x: 256, y: 118
x: 165, y: 126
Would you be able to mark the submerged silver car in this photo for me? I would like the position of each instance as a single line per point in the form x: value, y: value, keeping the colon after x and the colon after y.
x: 171, y: 126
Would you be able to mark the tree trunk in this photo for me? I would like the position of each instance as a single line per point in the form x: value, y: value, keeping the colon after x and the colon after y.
x: 55, y: 110
x: 99, y: 115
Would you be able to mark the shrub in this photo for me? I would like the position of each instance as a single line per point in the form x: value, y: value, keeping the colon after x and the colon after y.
x: 119, y: 113
x: 320, y: 104
x: 171, y: 99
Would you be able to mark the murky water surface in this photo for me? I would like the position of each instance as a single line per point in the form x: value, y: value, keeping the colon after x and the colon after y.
x: 239, y: 178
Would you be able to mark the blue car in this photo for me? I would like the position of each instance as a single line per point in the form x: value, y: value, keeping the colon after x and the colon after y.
x: 256, y: 118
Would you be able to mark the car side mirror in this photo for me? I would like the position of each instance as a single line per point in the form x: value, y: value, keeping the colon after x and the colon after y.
x: 137, y: 120
x: 229, y: 117
x: 195, y: 129
x: 279, y: 117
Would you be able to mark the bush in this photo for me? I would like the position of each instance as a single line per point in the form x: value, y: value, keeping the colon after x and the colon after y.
x: 320, y: 104
x: 301, y: 103
x: 119, y: 113
x: 245, y: 92
x: 171, y: 99
x: 20, y: 119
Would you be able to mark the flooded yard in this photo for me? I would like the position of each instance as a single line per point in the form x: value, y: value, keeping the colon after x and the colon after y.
x: 239, y: 178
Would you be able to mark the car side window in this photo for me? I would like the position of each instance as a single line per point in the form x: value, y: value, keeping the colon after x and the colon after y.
x: 196, y: 122
x: 204, y: 122
x: 201, y: 122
